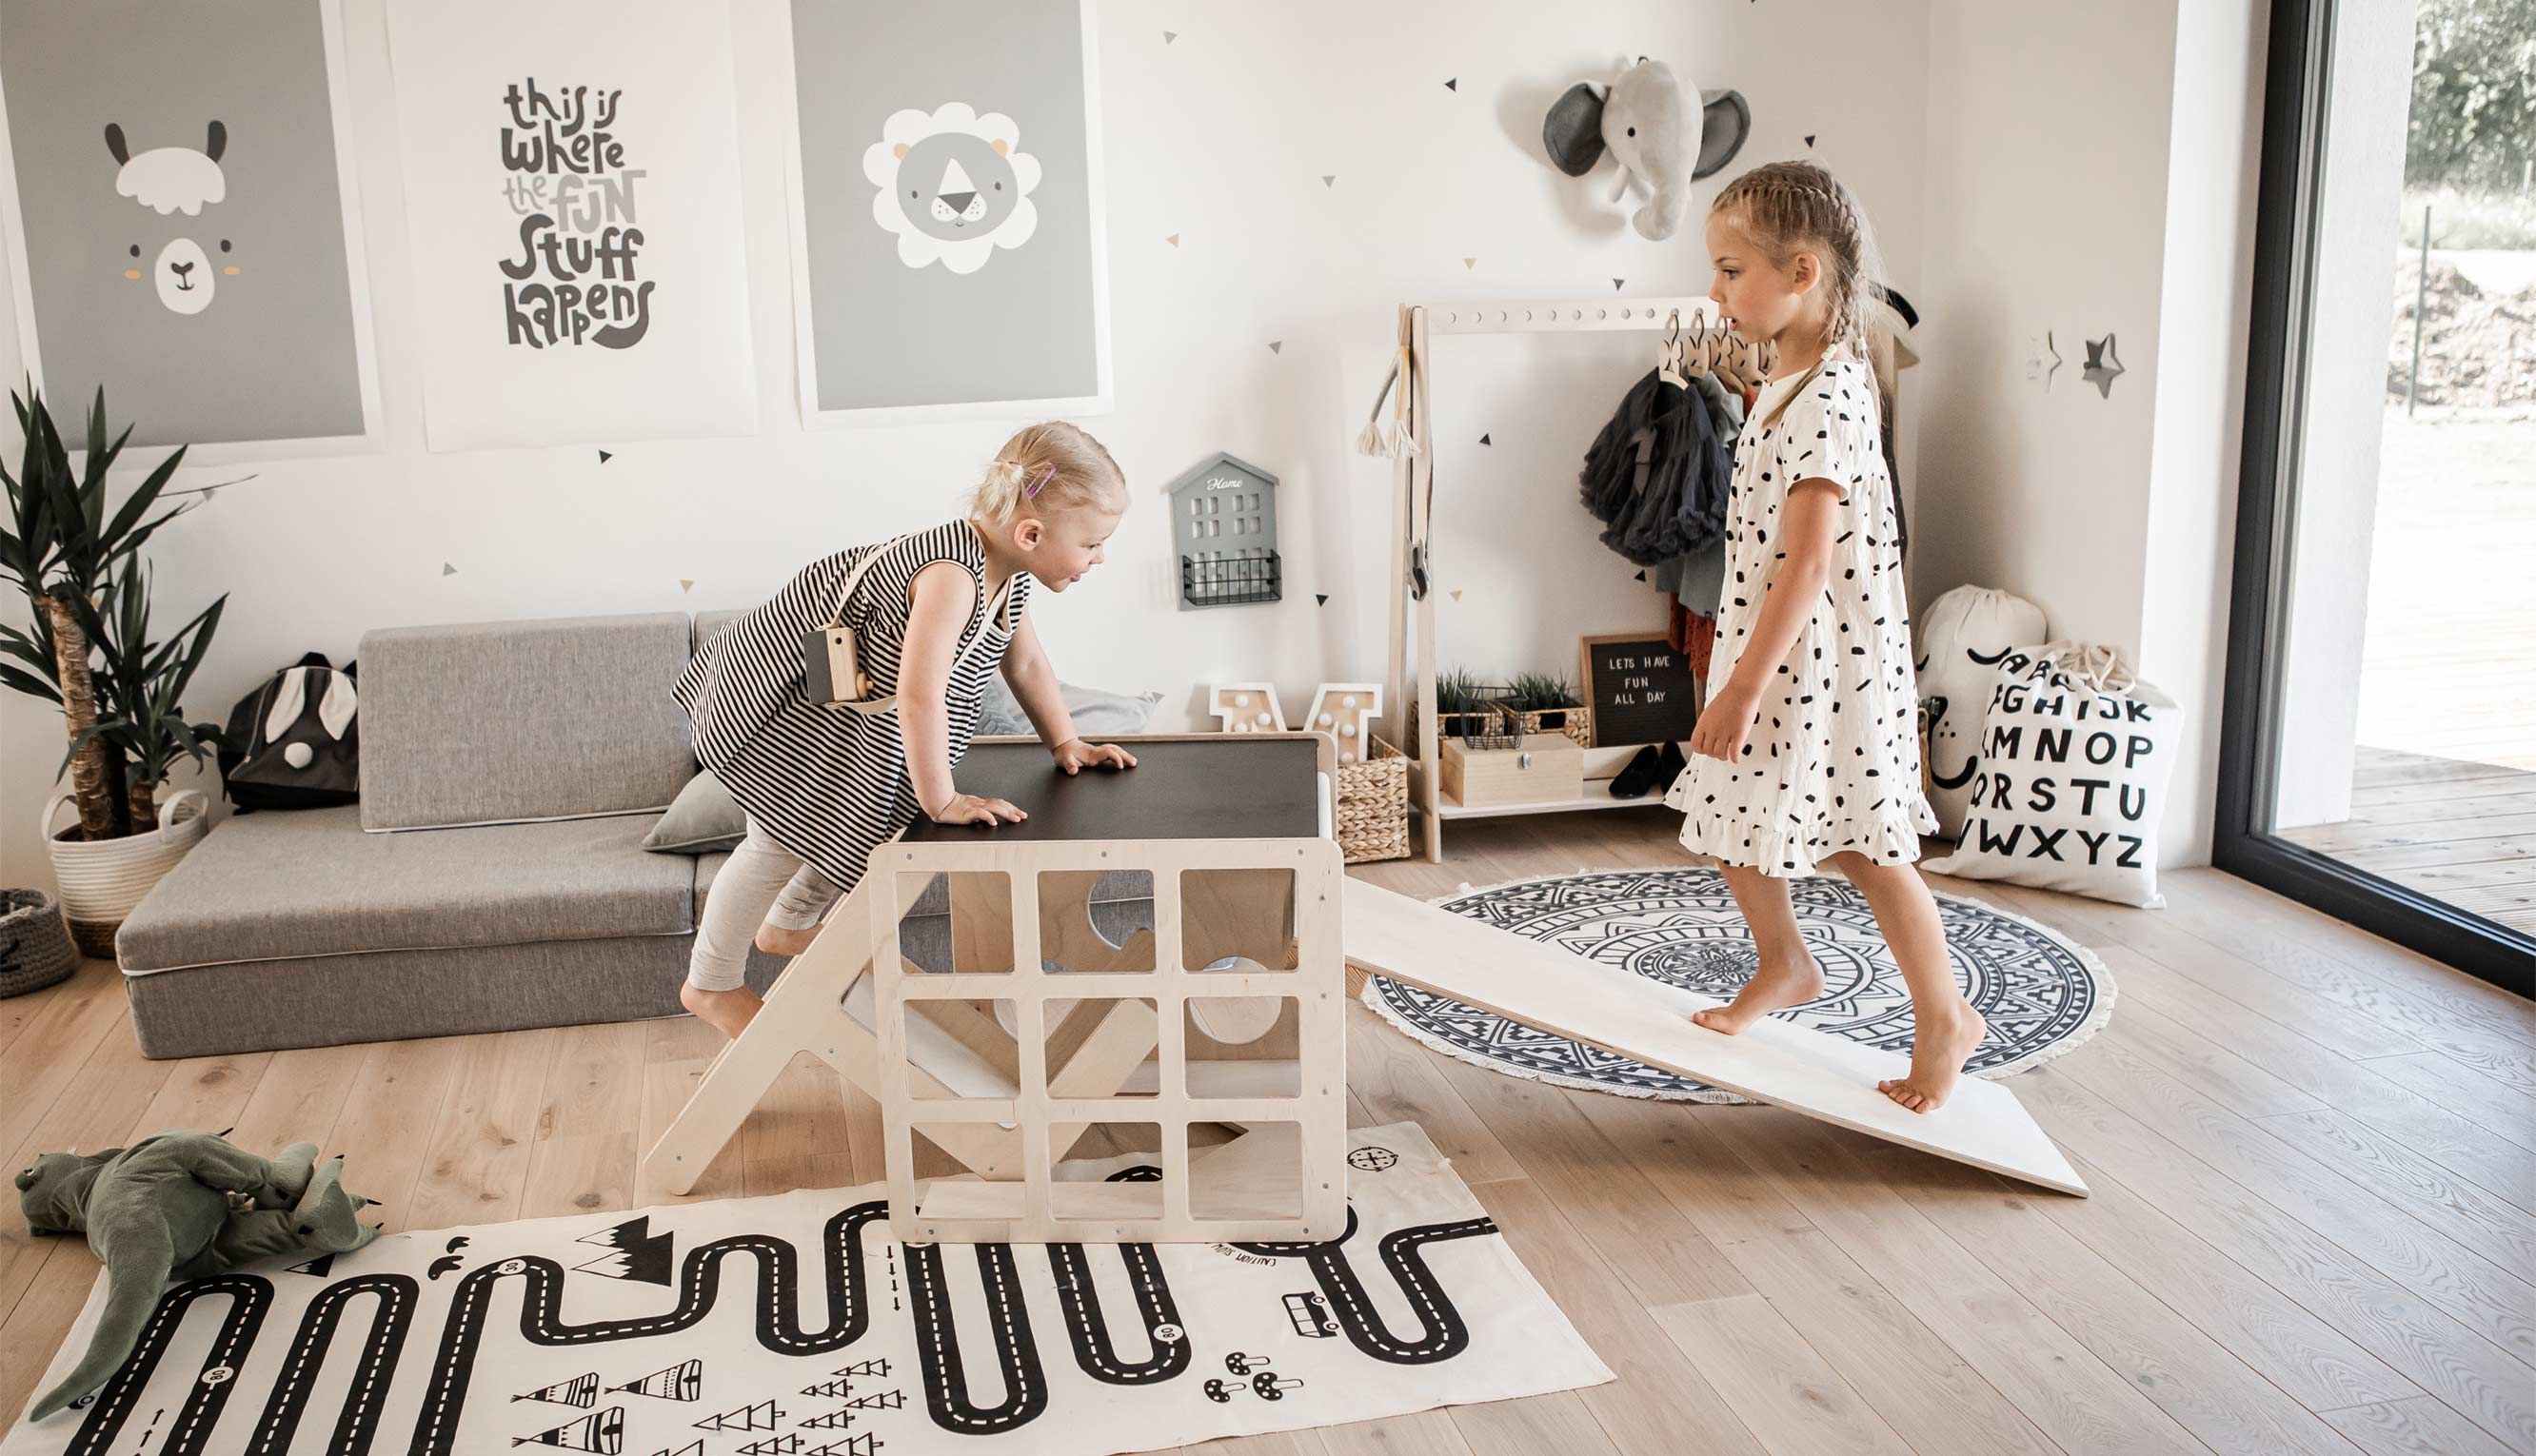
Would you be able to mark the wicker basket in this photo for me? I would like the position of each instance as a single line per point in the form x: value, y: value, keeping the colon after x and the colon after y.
x: 1478, y: 721
x: 1576, y: 721
x: 1373, y: 806
x: 34, y: 945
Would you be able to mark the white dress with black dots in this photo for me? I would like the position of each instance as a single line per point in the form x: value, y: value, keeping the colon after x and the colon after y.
x: 1832, y: 762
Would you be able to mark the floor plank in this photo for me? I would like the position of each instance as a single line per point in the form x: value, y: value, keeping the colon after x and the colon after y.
x: 2230, y: 1407
x: 1786, y: 1392
x: 2414, y: 1428
x: 2396, y: 1324
x: 2069, y: 1394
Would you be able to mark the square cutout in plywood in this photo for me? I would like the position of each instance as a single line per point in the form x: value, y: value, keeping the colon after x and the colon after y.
x: 1000, y: 1195
x: 956, y: 921
x: 1079, y: 1037
x: 967, y: 1047
x: 1238, y: 921
x: 1095, y: 921
x: 1165, y: 1055
x: 1134, y: 1194
x: 1257, y: 1176
x: 1243, y: 1046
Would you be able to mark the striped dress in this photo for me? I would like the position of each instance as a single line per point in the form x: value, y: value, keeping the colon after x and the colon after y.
x: 830, y: 785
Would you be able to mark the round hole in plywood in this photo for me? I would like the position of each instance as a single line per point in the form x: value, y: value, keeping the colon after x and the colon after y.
x: 1236, y: 1020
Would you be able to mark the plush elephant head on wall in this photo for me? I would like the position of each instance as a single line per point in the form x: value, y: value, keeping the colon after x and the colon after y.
x: 1662, y: 145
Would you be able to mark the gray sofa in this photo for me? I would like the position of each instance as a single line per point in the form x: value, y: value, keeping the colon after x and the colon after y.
x: 493, y: 876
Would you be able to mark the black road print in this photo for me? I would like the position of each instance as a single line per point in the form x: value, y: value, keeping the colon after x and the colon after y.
x: 1444, y: 1336
x: 383, y: 1307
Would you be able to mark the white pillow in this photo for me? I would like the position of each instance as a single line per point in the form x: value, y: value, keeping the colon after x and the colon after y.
x: 2076, y: 755
x: 1961, y: 637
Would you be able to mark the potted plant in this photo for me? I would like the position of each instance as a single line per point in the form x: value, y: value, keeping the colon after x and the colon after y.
x: 86, y: 649
x: 1543, y: 704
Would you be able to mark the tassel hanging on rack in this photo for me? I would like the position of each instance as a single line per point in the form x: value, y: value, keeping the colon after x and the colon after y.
x: 1400, y: 439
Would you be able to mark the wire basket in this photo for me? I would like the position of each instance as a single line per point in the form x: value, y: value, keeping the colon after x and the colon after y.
x: 34, y: 945
x: 1373, y: 806
x: 1485, y: 721
x: 1497, y: 728
x: 1231, y: 581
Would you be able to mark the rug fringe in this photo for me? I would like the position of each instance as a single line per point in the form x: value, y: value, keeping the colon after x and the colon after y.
x: 2097, y: 1014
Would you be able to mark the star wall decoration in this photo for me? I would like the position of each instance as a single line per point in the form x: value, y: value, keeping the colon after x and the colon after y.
x: 2103, y: 364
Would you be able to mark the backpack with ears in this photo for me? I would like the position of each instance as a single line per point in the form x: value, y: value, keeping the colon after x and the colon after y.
x: 297, y: 739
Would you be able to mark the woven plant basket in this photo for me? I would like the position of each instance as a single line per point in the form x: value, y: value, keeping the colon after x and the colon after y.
x: 34, y: 946
x: 1576, y: 721
x: 102, y: 881
x: 1373, y: 806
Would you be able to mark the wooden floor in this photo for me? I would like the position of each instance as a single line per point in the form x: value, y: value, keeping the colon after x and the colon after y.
x: 2464, y: 832
x: 2314, y: 1228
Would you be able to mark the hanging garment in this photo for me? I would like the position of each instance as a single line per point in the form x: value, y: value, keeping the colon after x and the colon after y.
x: 1651, y: 474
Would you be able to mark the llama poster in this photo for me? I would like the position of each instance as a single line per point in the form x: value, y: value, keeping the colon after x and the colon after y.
x: 948, y: 253
x: 181, y: 221
x: 572, y: 190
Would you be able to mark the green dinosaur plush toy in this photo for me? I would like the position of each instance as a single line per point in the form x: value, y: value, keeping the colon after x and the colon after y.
x: 180, y: 1205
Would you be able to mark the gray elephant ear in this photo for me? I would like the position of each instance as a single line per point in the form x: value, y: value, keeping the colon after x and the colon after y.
x: 1724, y: 122
x: 1572, y: 132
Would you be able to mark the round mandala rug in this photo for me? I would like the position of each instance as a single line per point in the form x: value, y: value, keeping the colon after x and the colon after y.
x: 2042, y: 993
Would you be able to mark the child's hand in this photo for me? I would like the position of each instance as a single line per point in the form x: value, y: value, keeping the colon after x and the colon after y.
x: 1074, y: 754
x: 1724, y: 725
x: 971, y: 808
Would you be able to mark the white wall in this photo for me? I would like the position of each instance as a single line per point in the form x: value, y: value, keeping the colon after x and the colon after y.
x: 1221, y: 137
x: 2057, y: 203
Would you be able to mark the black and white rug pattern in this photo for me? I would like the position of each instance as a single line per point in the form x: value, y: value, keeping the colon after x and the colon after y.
x: 2042, y: 993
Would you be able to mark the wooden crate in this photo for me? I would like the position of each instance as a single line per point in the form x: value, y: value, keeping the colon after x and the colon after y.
x: 1547, y: 768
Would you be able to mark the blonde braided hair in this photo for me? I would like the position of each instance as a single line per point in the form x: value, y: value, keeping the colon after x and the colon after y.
x: 1791, y: 207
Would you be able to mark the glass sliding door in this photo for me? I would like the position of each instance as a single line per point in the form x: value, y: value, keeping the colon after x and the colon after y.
x: 2379, y: 750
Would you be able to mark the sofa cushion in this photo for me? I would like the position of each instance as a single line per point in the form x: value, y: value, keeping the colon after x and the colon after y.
x: 284, y: 885
x: 502, y: 723
x: 704, y: 820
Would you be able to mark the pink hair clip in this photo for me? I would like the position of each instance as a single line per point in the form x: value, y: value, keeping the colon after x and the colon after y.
x: 1033, y: 492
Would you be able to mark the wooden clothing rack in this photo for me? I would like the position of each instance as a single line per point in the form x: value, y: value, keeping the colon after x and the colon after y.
x: 1412, y: 662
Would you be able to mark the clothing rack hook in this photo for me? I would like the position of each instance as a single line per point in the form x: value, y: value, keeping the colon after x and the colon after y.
x: 1673, y: 329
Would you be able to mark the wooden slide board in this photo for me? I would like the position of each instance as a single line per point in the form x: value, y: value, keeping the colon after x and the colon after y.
x: 1773, y: 1061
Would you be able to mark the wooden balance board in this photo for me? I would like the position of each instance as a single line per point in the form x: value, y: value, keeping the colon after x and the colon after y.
x: 1773, y: 1060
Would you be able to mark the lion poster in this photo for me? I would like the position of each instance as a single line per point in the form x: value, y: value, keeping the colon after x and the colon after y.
x: 573, y: 200
x: 948, y: 250
x: 181, y: 223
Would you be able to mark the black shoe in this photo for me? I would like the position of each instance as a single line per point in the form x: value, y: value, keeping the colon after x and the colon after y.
x: 1634, y: 781
x: 1671, y: 766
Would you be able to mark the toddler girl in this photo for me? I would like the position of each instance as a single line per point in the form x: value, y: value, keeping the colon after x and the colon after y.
x: 934, y: 614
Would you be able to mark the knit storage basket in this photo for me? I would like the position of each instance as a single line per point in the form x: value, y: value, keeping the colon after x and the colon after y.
x: 101, y: 881
x: 35, y: 948
x: 1373, y: 806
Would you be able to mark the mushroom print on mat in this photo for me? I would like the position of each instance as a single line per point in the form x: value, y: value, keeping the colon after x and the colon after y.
x: 180, y: 219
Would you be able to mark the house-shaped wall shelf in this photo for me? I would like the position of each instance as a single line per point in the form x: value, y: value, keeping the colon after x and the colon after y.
x: 1224, y: 529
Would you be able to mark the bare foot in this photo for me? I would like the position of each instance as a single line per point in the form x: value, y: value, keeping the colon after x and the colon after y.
x: 1939, y: 1047
x: 1771, y: 988
x: 728, y: 1012
x: 783, y: 940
